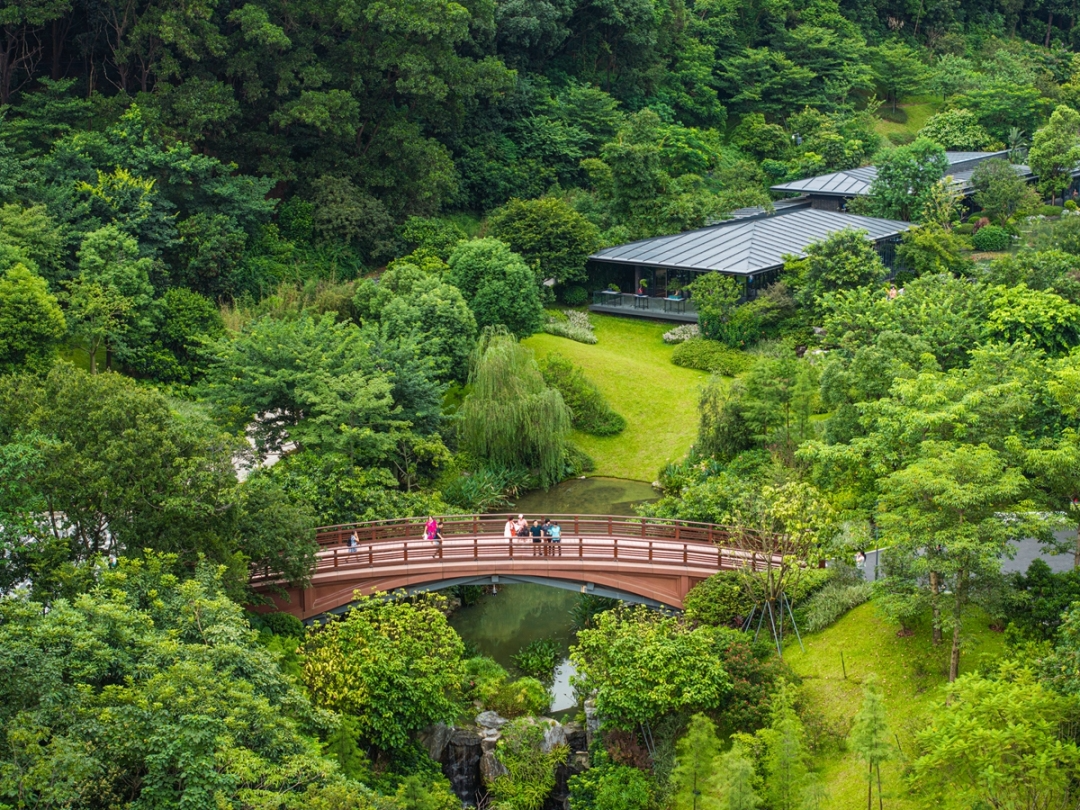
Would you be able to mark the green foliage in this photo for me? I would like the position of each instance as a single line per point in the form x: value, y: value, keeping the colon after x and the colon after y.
x: 538, y: 659
x: 1000, y: 192
x: 393, y: 664
x: 1055, y: 151
x: 1039, y: 601
x: 956, y: 130
x: 830, y: 603
x: 511, y: 416
x: 549, y: 235
x: 643, y: 666
x: 610, y: 786
x: 172, y: 701
x: 590, y: 412
x: 719, y: 600
x: 498, y: 286
x: 843, y: 260
x: 571, y: 324
x: 31, y: 322
x: 998, y: 740
x: 693, y: 782
x: 530, y: 769
x: 905, y: 177
x: 992, y: 238
x: 489, y: 684
x: 869, y: 737
x: 575, y: 296
x: 709, y: 355
x: 1042, y: 318
x: 929, y: 250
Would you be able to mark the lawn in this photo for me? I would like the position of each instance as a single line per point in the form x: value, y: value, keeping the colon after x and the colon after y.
x: 910, y: 670
x: 632, y: 366
x: 914, y: 111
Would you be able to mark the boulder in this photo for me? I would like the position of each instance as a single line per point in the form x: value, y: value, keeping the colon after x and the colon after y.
x: 434, y: 739
x: 490, y: 719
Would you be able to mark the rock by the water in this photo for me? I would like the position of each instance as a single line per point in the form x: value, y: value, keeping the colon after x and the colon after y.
x: 592, y: 722
x: 490, y: 719
x: 434, y: 739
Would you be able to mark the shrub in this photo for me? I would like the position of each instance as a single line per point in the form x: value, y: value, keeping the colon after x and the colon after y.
x: 681, y: 334
x: 991, y: 238
x: 1050, y: 210
x: 280, y: 624
x: 590, y: 412
x: 538, y: 659
x: 965, y: 229
x: 521, y: 698
x: 1070, y: 205
x: 719, y: 601
x: 900, y: 138
x: 484, y: 678
x: 489, y: 488
x: 708, y: 355
x: 573, y: 325
x: 832, y: 602
x: 575, y: 296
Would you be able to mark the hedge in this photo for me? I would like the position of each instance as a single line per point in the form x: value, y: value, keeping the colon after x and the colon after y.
x: 708, y: 355
x: 991, y: 238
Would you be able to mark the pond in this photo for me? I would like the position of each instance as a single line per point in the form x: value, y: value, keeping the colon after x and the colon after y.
x: 502, y: 623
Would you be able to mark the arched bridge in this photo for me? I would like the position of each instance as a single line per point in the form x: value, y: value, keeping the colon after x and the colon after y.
x: 649, y: 560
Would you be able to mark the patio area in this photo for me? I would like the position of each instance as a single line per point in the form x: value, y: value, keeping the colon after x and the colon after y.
x: 652, y: 307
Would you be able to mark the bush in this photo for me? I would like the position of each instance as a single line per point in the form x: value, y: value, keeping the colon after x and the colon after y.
x: 521, y: 698
x: 571, y: 324
x: 1050, y: 210
x: 538, y: 659
x: 1070, y: 205
x: 590, y: 412
x: 488, y: 488
x: 708, y: 355
x: 991, y: 238
x: 832, y: 602
x: 575, y: 296
x: 681, y: 334
x: 280, y: 624
x: 900, y: 138
x: 965, y: 229
x: 719, y: 601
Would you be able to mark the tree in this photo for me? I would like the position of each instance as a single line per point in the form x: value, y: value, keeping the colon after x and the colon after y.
x: 549, y: 235
x: 928, y: 250
x: 787, y: 777
x: 843, y: 260
x: 693, y: 779
x: 716, y: 296
x: 606, y: 785
x: 999, y: 742
x: 1000, y: 192
x: 644, y: 666
x: 1055, y: 151
x: 499, y: 287
x: 898, y: 69
x: 948, y: 506
x: 31, y: 323
x: 109, y: 301
x: 393, y: 664
x: 869, y: 736
x: 184, y: 326
x: 735, y: 775
x: 1042, y: 318
x: 511, y: 417
x: 905, y: 176
x: 150, y: 690
x: 957, y: 129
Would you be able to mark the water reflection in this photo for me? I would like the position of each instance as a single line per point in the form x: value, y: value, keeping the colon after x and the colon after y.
x: 501, y: 624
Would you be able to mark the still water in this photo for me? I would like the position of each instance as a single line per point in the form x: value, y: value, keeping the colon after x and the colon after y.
x: 502, y: 623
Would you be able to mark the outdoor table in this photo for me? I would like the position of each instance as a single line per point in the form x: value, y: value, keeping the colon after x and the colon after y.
x: 641, y: 302
x: 614, y: 298
x: 673, y: 303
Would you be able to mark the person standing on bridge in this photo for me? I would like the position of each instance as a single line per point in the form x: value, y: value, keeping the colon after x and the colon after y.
x: 510, y: 529
x: 522, y: 526
x: 556, y: 538
x: 352, y: 543
x: 537, y: 532
x: 437, y: 538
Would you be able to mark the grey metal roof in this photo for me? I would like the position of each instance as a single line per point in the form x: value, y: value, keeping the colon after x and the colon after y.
x: 758, y: 210
x: 746, y: 246
x: 856, y: 182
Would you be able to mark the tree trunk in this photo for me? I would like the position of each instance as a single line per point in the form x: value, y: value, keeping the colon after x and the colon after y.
x: 1049, y: 26
x: 1076, y: 551
x: 958, y: 603
x: 879, y: 802
x: 870, y: 787
x: 935, y: 590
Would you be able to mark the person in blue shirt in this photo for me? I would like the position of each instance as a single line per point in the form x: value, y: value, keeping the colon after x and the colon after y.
x: 556, y: 537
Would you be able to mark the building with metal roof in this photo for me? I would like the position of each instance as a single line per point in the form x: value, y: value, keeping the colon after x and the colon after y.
x: 751, y: 247
x: 830, y: 191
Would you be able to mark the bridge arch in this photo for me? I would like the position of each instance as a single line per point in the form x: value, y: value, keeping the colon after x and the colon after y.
x: 649, y: 560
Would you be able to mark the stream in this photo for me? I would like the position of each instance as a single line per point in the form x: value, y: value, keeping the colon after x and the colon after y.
x: 502, y: 623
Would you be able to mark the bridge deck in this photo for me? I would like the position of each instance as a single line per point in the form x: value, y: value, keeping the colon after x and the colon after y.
x: 655, y: 559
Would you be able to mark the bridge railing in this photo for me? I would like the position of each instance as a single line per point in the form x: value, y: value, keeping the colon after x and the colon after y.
x: 659, y: 552
x: 492, y: 525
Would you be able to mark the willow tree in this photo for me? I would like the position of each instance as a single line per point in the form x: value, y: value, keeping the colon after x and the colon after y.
x: 511, y: 417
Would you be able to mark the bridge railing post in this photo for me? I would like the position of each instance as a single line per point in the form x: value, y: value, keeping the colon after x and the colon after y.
x: 580, y: 545
x: 616, y: 548
x: 650, y: 550
x: 685, y: 559
x: 335, y: 558
x: 476, y: 547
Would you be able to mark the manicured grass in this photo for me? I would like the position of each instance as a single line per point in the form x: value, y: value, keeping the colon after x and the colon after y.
x: 910, y: 671
x: 917, y: 109
x: 632, y: 366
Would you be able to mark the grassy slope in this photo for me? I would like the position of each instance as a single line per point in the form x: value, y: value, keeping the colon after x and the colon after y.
x: 918, y: 109
x: 632, y: 366
x: 910, y: 670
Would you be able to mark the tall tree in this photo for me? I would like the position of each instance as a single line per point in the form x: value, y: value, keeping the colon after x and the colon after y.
x: 31, y: 323
x: 869, y: 736
x: 905, y: 176
x: 1055, y: 151
x: 693, y: 777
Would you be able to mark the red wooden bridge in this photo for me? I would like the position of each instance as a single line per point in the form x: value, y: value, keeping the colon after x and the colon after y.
x: 650, y: 560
